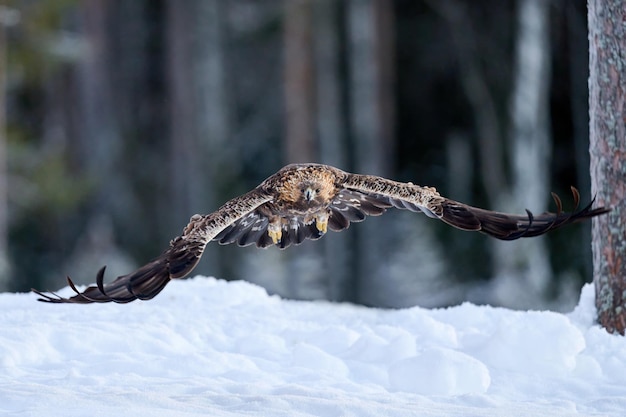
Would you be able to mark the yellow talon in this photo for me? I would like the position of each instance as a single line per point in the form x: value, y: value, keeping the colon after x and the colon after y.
x: 321, y: 223
x: 275, y: 233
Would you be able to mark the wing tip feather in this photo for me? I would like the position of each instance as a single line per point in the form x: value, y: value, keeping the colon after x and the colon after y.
x: 510, y: 227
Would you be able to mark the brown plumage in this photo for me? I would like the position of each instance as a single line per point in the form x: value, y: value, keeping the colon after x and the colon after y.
x: 303, y: 201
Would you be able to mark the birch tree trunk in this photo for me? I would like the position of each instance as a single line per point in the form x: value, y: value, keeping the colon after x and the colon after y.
x: 607, y: 114
x: 523, y: 270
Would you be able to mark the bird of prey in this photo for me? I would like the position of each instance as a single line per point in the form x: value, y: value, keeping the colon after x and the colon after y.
x: 303, y: 201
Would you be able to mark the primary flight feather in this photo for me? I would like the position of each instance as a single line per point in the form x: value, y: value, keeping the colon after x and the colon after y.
x: 303, y: 201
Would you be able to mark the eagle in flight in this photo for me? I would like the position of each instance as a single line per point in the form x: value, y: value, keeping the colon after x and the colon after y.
x: 303, y: 201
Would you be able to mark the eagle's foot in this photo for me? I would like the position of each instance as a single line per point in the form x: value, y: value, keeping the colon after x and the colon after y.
x: 275, y: 232
x: 321, y: 222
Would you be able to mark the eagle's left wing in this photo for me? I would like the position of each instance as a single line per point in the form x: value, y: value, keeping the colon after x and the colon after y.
x: 176, y: 262
x: 462, y: 216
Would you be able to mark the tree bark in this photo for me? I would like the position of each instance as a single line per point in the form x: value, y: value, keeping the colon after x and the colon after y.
x: 607, y: 114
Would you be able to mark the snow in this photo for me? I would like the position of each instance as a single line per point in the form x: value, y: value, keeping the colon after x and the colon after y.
x: 212, y: 347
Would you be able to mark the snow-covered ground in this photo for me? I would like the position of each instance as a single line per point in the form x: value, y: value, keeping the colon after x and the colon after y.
x: 206, y: 347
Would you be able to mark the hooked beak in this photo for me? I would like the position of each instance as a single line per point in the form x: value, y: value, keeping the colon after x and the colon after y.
x: 309, y: 194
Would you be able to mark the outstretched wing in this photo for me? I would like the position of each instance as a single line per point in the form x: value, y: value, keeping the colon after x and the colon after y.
x: 462, y: 216
x: 176, y: 262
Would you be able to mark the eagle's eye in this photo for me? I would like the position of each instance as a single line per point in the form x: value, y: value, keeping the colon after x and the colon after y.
x: 317, y: 190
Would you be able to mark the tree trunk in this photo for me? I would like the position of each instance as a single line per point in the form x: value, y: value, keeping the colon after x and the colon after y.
x: 479, y: 95
x: 99, y: 139
x: 183, y: 149
x: 524, y: 267
x: 202, y: 156
x: 100, y: 145
x: 332, y: 135
x: 299, y: 82
x: 370, y: 43
x: 370, y: 30
x: 218, y: 154
x: 304, y: 279
x: 5, y: 20
x: 607, y: 114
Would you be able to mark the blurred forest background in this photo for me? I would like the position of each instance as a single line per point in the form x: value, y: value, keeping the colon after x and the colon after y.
x: 121, y: 119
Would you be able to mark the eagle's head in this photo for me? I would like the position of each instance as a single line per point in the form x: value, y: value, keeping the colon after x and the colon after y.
x: 309, y: 191
x: 304, y: 187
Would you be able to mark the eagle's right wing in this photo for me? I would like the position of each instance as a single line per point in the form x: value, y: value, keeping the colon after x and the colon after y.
x: 176, y: 262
